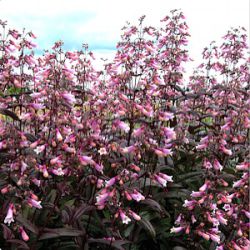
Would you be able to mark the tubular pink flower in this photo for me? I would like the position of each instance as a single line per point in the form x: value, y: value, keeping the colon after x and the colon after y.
x: 170, y: 133
x: 137, y: 196
x: 34, y: 203
x: 9, y: 217
x: 58, y: 135
x: 197, y: 194
x: 128, y: 150
x: 123, y: 126
x: 24, y: 235
x: 101, y: 199
x: 160, y: 180
x: 69, y: 98
x: 125, y: 219
x: 138, y: 132
x: 226, y: 151
x: 176, y: 229
x: 99, y: 167
x: 134, y: 215
x: 111, y: 182
x: 204, y: 235
x: 86, y: 160
x: 189, y: 204
x: 243, y: 166
x: 217, y: 165
x: 166, y: 177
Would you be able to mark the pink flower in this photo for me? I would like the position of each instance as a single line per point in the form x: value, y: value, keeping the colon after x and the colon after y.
x: 128, y: 150
x: 163, y: 152
x: 102, y: 151
x: 238, y: 183
x: 123, y: 126
x: 166, y: 177
x: 137, y: 132
x: 207, y: 164
x: 189, y: 204
x: 101, y: 199
x: 176, y: 229
x: 58, y: 172
x: 58, y: 135
x: 170, y: 133
x: 165, y: 116
x: 86, y: 160
x: 160, y: 180
x: 99, y: 167
x: 221, y: 219
x: 111, y: 182
x: 134, y: 215
x: 9, y: 217
x: 243, y: 166
x: 137, y: 196
x: 204, y: 187
x: 24, y: 235
x: 125, y: 219
x: 226, y: 151
x: 197, y: 194
x: 214, y: 237
x: 69, y: 98
x: 34, y: 203
x: 217, y: 165
x: 55, y: 160
x: 203, y: 235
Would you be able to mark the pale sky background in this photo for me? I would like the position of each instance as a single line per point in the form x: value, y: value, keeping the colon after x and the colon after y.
x: 99, y: 22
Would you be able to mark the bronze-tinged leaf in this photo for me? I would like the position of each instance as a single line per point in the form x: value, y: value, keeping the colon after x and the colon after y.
x: 7, y: 233
x: 117, y: 244
x: 153, y: 204
x: 19, y: 243
x: 82, y: 210
x: 30, y: 137
x: 146, y: 224
x: 50, y: 233
x: 10, y: 114
x: 27, y: 224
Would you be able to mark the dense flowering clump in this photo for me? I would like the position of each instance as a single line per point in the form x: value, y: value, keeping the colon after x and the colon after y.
x: 131, y: 157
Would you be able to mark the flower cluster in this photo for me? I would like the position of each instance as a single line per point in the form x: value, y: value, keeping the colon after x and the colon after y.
x: 80, y: 147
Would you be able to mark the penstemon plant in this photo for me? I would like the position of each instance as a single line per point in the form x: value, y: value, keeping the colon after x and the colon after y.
x: 130, y: 157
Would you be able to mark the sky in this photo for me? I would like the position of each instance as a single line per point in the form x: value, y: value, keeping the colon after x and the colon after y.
x: 99, y: 22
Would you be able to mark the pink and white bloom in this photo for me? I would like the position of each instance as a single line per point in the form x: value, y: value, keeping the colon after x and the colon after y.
x: 176, y: 229
x: 34, y: 203
x: 137, y: 196
x: 123, y: 126
x: 111, y: 182
x: 217, y: 165
x: 69, y: 98
x: 102, y: 151
x: 9, y: 217
x: 138, y: 132
x: 226, y: 151
x: 125, y: 219
x: 134, y: 215
x: 86, y: 160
